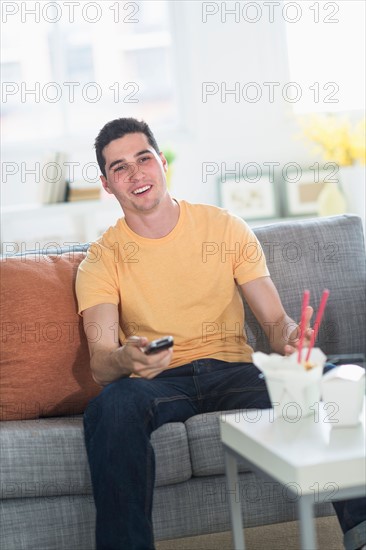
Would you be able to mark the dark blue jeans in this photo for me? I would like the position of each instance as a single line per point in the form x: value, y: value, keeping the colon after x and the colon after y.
x: 118, y: 424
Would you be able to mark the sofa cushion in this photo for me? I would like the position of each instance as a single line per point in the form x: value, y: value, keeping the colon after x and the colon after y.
x: 45, y: 360
x: 173, y: 461
x: 47, y: 457
x: 44, y: 457
x: 207, y: 455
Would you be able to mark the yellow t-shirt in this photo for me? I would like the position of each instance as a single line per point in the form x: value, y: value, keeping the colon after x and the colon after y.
x: 184, y: 284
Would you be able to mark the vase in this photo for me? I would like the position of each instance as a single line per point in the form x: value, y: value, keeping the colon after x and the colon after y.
x: 331, y: 200
x: 353, y: 184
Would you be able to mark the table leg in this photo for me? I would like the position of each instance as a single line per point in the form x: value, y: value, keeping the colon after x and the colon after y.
x: 307, y: 527
x: 235, y: 505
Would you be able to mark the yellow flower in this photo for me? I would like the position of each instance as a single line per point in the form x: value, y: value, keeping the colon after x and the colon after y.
x: 337, y: 140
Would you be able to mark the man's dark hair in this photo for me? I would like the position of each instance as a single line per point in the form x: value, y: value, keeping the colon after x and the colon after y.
x: 119, y: 128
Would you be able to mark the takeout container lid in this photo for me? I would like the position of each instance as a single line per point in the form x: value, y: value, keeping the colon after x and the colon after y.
x: 279, y: 365
x: 345, y: 373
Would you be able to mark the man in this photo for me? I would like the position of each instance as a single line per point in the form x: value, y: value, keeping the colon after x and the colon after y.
x: 167, y: 267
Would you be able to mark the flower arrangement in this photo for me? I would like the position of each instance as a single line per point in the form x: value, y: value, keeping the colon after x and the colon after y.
x: 339, y: 141
x: 169, y: 155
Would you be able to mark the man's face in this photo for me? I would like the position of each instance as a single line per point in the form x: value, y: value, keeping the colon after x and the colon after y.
x: 135, y: 173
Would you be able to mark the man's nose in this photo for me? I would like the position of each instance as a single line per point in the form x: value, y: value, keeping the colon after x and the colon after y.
x: 134, y: 172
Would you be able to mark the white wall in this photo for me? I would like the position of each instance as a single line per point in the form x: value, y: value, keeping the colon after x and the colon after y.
x: 223, y: 130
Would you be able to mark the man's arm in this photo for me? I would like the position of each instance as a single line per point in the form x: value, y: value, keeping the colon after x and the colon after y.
x: 108, y: 360
x: 282, y: 331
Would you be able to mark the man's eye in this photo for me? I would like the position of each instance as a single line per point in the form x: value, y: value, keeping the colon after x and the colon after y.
x: 121, y: 167
x: 143, y: 159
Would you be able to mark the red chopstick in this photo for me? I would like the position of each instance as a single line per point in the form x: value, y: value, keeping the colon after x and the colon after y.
x: 318, y: 320
x: 305, y: 303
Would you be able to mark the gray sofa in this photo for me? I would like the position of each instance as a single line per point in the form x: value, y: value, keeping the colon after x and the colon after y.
x: 46, y: 501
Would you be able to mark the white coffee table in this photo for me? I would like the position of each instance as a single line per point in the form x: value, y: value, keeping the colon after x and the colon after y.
x: 309, y: 455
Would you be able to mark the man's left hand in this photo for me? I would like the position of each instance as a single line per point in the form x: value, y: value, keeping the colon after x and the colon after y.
x: 294, y: 337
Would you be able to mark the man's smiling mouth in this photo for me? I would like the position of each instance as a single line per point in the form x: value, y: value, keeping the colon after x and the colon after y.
x: 141, y: 190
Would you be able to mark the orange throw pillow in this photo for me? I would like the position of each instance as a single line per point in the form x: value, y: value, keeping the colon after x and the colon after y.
x: 44, y: 366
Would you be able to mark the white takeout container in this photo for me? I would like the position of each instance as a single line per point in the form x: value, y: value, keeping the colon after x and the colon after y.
x: 293, y: 390
x: 345, y: 387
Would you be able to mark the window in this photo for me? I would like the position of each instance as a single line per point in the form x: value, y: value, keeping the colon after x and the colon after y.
x: 65, y: 73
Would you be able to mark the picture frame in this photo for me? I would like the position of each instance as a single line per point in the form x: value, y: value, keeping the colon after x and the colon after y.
x: 250, y: 198
x: 301, y: 193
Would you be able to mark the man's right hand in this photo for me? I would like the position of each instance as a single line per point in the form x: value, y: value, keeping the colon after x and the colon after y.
x: 108, y: 360
x: 135, y: 361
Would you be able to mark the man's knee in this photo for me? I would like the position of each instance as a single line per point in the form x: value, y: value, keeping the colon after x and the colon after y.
x: 122, y: 402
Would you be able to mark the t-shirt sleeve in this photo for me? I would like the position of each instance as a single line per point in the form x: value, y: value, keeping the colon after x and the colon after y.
x: 250, y: 262
x: 96, y: 279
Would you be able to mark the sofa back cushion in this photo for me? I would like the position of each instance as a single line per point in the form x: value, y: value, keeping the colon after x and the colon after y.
x: 316, y: 254
x: 45, y: 360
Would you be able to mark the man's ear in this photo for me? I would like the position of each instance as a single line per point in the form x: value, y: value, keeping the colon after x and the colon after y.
x: 104, y: 181
x: 163, y: 161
